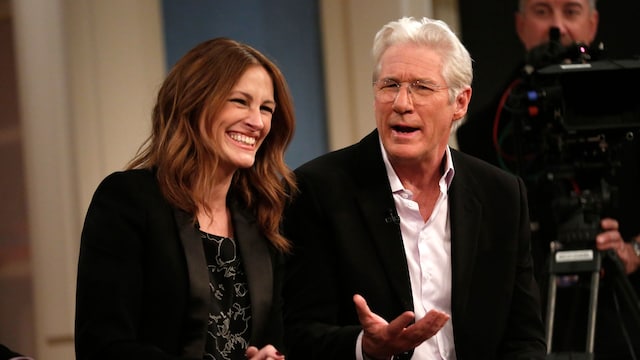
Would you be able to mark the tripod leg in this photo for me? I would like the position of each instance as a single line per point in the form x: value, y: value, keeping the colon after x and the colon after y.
x: 593, y: 304
x: 551, y: 309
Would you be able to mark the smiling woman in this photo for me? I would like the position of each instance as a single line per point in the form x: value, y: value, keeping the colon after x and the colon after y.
x: 196, y: 214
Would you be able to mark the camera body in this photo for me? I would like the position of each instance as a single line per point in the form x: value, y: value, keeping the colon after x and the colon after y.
x: 571, y: 123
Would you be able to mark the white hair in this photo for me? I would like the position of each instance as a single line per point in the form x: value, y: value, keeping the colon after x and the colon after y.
x: 436, y: 34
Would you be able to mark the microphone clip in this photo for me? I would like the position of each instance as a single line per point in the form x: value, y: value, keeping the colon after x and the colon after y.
x: 392, y: 217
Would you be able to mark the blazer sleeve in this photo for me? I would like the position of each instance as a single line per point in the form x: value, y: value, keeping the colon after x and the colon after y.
x: 495, y: 300
x: 132, y: 285
x: 315, y: 318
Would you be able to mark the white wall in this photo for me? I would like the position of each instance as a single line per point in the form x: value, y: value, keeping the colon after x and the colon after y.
x: 87, y: 74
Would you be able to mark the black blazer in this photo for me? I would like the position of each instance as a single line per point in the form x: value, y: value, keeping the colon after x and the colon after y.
x: 143, y: 285
x: 347, y: 241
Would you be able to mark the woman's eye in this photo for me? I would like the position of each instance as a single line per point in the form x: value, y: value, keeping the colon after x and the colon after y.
x: 238, y: 101
x: 245, y: 103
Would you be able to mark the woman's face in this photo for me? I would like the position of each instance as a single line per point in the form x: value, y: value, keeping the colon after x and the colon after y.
x: 245, y: 119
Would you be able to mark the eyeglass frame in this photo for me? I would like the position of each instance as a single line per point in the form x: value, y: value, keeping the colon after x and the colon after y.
x: 392, y: 89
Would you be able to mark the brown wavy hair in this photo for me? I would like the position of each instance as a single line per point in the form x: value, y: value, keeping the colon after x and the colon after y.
x: 182, y: 150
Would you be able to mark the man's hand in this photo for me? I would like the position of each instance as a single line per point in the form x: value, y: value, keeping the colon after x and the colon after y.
x: 381, y: 339
x: 610, y: 238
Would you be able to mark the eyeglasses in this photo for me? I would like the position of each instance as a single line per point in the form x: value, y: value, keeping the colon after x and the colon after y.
x: 388, y: 89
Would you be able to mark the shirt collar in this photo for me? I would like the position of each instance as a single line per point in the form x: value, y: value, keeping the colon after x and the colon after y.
x: 396, y: 184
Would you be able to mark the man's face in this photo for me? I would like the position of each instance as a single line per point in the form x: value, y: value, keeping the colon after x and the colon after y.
x: 414, y: 121
x: 576, y: 21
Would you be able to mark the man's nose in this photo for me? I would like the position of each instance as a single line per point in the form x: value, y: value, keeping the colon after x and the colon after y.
x: 558, y: 29
x: 403, y: 101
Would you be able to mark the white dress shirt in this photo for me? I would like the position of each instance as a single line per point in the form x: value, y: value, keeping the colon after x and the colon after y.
x: 428, y: 250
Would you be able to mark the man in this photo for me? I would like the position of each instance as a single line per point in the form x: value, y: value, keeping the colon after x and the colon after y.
x: 403, y: 247
x: 547, y: 30
x: 576, y: 21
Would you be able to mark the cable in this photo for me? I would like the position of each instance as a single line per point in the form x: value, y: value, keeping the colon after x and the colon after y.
x: 496, y: 119
x: 625, y: 332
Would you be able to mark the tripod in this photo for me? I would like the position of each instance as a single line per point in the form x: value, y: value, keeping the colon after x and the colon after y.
x: 572, y: 262
x: 588, y: 261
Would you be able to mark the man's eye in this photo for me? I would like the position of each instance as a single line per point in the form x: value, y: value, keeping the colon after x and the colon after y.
x: 572, y: 13
x: 423, y: 87
x: 541, y: 11
x: 390, y: 85
x: 418, y: 86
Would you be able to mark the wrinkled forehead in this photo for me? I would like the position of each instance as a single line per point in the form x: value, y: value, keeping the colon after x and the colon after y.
x: 523, y: 4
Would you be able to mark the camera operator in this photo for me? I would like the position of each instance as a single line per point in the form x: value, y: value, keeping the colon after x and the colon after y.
x: 549, y: 30
x: 576, y: 22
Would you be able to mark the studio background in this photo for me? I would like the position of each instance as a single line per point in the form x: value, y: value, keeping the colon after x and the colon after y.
x: 79, y: 79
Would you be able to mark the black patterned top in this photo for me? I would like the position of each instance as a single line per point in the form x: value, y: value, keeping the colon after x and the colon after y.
x: 229, y: 325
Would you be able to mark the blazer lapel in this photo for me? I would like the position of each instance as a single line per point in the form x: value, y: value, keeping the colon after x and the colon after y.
x: 465, y: 216
x: 199, y: 300
x: 256, y: 261
x: 376, y: 203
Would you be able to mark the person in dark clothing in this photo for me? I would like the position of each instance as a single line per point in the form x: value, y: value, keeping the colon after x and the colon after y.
x: 403, y: 247
x: 181, y: 255
x: 8, y: 354
x: 506, y: 133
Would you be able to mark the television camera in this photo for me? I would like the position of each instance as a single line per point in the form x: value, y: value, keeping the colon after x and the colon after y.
x: 574, y: 119
x: 577, y: 121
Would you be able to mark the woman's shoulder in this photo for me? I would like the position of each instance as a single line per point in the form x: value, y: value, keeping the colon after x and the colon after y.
x: 129, y: 183
x: 131, y: 177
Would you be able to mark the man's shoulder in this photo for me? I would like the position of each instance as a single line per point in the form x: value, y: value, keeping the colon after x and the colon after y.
x: 476, y: 167
x: 365, y: 151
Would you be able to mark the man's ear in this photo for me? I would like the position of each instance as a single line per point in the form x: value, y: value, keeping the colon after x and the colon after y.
x: 462, y: 103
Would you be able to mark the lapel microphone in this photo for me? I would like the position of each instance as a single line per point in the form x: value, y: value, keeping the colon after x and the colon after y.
x: 392, y: 217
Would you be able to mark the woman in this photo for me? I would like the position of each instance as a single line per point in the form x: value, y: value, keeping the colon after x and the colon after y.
x: 181, y: 255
